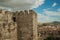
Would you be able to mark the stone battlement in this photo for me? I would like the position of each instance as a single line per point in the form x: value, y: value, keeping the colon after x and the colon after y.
x: 19, y: 25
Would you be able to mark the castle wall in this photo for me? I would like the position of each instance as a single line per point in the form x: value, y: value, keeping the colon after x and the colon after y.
x: 27, y: 25
x: 7, y: 26
x: 23, y: 28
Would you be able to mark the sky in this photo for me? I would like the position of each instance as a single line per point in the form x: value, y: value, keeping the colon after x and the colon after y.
x: 20, y: 4
x: 47, y: 10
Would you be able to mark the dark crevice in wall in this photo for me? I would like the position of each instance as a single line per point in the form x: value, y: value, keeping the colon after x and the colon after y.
x: 14, y: 19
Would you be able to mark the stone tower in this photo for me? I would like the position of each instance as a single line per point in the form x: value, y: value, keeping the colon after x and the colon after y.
x: 26, y: 25
x: 23, y: 28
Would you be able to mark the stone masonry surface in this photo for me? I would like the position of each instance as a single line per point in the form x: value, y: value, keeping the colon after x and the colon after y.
x: 18, y: 25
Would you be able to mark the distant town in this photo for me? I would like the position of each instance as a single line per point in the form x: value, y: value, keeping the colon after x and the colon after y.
x: 49, y: 31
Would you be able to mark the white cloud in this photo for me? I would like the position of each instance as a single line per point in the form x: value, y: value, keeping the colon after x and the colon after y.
x: 21, y: 4
x: 54, y: 4
x: 52, y: 13
x: 49, y: 16
x: 42, y: 18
